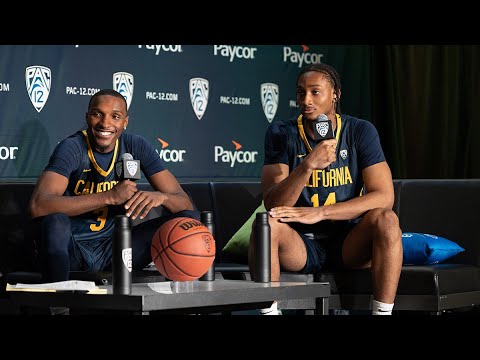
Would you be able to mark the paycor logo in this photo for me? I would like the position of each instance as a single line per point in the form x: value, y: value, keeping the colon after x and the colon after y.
x: 235, y: 52
x: 8, y: 153
x: 301, y: 58
x: 165, y: 48
x: 232, y: 157
x: 170, y: 155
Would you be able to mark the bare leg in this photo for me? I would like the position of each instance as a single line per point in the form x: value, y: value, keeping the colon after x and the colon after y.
x: 287, y: 250
x: 376, y: 242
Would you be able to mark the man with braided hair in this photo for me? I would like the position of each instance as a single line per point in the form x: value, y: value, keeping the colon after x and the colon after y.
x: 330, y: 202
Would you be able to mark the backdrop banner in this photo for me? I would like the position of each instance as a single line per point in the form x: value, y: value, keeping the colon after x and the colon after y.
x: 205, y: 108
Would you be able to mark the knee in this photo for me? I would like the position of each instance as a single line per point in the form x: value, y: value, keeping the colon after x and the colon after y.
x: 385, y: 224
x: 56, y: 221
x: 55, y: 232
x: 277, y: 229
x: 275, y: 226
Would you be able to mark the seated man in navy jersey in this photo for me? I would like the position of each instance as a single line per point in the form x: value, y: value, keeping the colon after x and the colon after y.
x: 78, y: 195
x: 330, y: 202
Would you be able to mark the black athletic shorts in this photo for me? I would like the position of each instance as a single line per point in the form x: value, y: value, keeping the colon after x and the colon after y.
x: 324, y: 250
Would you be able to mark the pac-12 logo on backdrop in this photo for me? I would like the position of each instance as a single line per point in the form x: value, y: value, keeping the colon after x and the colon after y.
x: 269, y: 93
x: 123, y: 83
x: 199, y: 95
x: 38, y: 80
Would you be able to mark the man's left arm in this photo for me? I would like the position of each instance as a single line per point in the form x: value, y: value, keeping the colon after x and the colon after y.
x: 379, y: 194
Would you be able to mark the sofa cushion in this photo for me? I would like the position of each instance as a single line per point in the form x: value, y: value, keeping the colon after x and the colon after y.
x: 436, y: 279
x: 199, y: 193
x: 446, y: 208
x: 233, y: 204
x: 240, y: 241
x: 17, y: 237
x: 423, y: 249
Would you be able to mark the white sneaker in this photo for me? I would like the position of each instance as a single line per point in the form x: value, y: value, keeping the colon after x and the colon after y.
x: 272, y: 310
x: 269, y: 312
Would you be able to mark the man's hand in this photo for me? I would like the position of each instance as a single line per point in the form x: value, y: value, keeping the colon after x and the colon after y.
x: 123, y: 191
x: 304, y: 215
x: 322, y: 155
x: 142, y: 202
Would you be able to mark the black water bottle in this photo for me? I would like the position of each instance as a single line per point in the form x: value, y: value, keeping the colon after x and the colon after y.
x: 122, y: 256
x: 262, y: 248
x: 206, y: 217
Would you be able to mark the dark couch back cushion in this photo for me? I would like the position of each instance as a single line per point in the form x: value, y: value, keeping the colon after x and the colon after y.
x: 233, y: 203
x: 199, y: 193
x: 441, y: 207
x: 397, y: 184
x: 16, y: 238
x: 447, y: 208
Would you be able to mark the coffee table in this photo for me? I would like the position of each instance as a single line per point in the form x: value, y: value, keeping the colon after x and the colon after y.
x: 221, y: 296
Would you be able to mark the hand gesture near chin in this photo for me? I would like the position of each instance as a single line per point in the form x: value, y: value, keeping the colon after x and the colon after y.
x: 322, y: 155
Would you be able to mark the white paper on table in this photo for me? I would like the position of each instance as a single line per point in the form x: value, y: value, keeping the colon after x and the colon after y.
x: 59, y: 285
x: 163, y: 287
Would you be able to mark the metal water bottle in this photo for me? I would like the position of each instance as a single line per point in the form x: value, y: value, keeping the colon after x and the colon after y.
x: 206, y: 217
x: 122, y: 256
x: 262, y: 246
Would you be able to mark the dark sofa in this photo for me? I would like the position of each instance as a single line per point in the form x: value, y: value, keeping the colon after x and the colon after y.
x: 446, y: 208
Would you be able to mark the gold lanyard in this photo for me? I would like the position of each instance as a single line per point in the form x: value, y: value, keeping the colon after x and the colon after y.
x: 92, y: 157
x: 303, y: 135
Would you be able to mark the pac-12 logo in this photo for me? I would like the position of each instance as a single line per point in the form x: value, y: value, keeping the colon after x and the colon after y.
x: 38, y: 80
x: 123, y: 83
x: 199, y: 95
x: 131, y: 166
x: 269, y: 94
x: 322, y: 128
x: 127, y: 258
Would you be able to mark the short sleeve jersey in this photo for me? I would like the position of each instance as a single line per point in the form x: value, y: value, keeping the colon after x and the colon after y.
x: 358, y: 146
x: 91, y: 172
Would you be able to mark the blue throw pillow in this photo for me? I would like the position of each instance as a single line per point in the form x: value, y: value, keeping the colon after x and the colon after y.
x: 424, y: 249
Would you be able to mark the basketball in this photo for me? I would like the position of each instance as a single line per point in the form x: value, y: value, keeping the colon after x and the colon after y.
x: 182, y: 249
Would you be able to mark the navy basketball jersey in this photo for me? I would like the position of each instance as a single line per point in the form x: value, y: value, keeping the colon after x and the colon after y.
x: 358, y: 146
x: 91, y: 172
